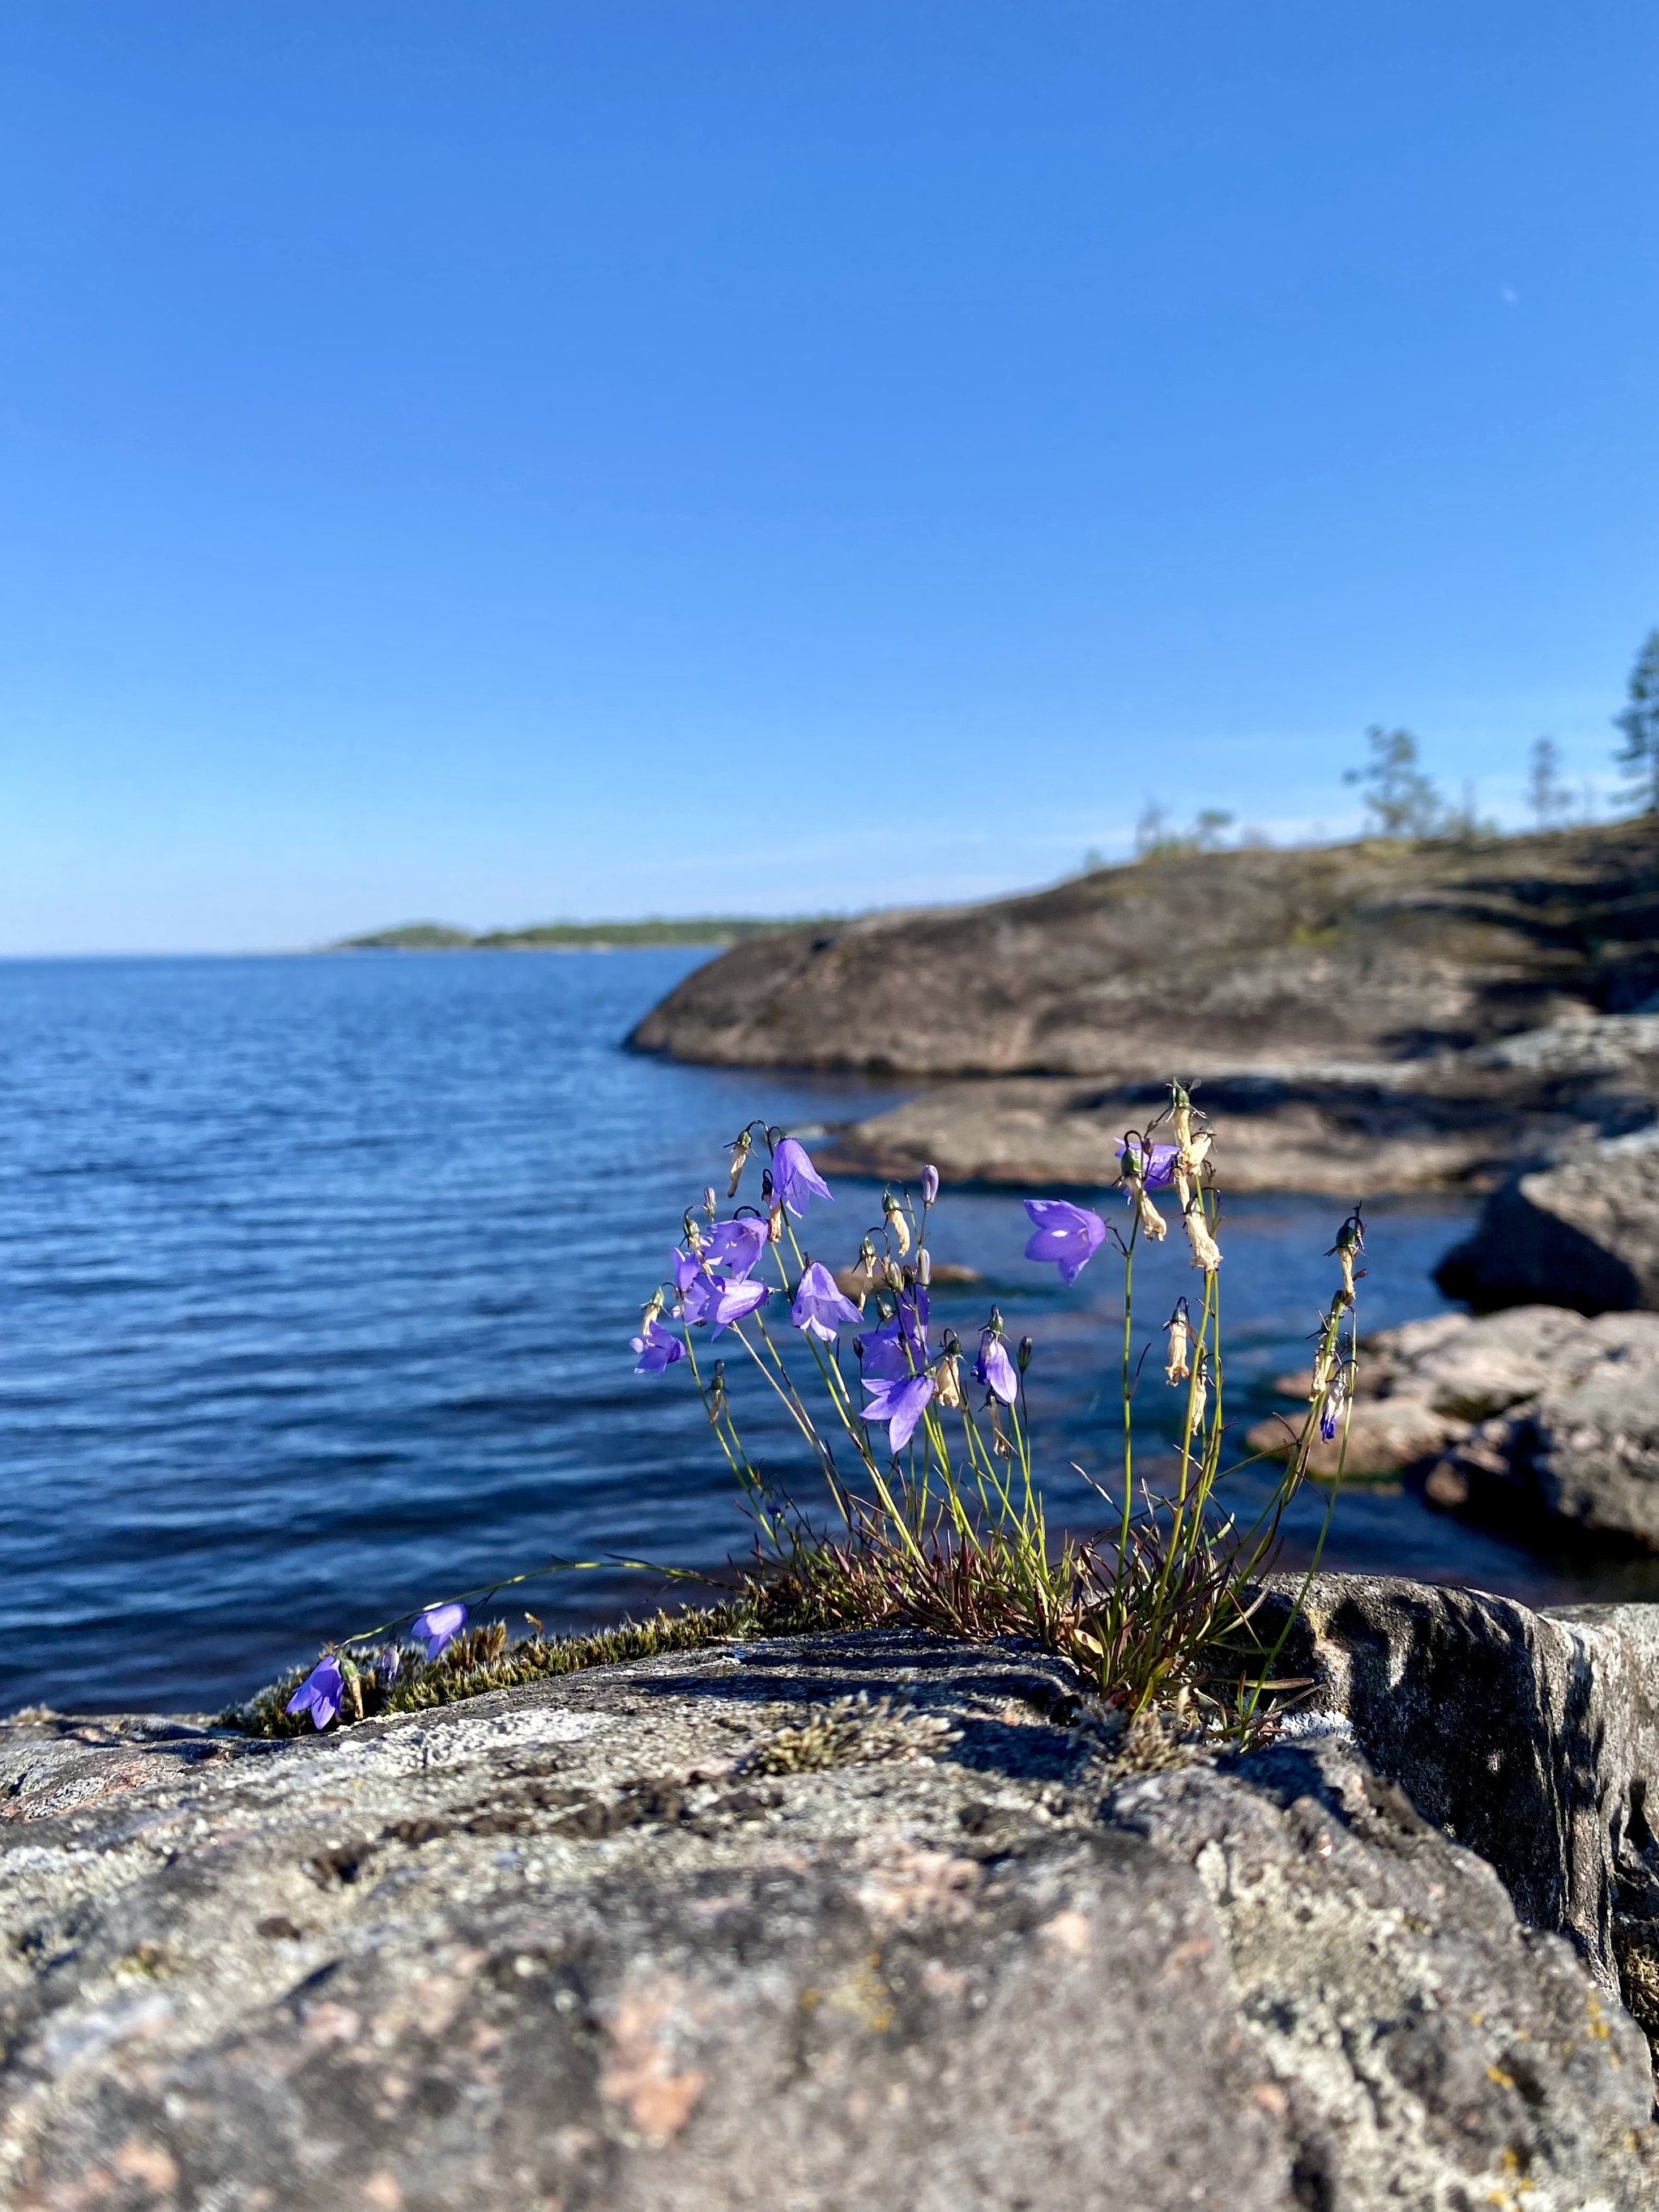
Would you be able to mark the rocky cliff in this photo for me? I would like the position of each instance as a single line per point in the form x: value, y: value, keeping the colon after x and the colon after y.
x: 1382, y: 951
x: 854, y: 1921
x: 1384, y: 1017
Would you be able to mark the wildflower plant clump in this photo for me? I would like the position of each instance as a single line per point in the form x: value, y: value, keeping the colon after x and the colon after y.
x: 936, y: 1514
x: 928, y: 1509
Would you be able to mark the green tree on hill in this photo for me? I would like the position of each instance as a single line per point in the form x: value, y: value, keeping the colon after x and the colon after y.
x: 1156, y: 840
x: 1400, y: 799
x: 1639, y: 753
x: 1549, y: 795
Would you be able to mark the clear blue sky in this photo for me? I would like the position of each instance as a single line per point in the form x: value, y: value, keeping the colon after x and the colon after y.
x: 505, y: 461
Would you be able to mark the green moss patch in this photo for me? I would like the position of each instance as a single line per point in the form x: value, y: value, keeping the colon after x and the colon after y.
x: 483, y: 1659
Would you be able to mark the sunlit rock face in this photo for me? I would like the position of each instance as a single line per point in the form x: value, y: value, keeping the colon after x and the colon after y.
x: 1583, y: 1233
x: 1383, y: 1017
x: 1380, y: 951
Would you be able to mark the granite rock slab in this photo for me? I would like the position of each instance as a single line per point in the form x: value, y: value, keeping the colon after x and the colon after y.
x: 609, y: 1942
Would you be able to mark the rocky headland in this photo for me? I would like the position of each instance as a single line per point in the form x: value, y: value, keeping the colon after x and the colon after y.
x: 857, y: 1921
x: 1430, y: 1015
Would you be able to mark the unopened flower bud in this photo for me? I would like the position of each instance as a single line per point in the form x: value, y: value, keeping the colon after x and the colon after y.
x: 897, y: 1227
x: 709, y: 1199
x: 388, y: 1664
x: 1177, y: 1362
x: 929, y: 1185
x: 924, y: 1267
x: 1350, y: 1244
x: 1200, y: 1388
x: 1181, y: 1112
x: 1189, y: 1171
x: 1023, y: 1357
x: 1152, y: 1223
x: 693, y: 1234
x: 1324, y: 1355
x: 717, y: 1393
x: 738, y: 1149
x: 895, y: 1277
x: 1207, y: 1253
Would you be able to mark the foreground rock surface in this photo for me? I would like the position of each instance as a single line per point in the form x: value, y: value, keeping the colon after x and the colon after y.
x: 691, y: 1935
x: 1583, y: 1233
x: 1535, y: 1415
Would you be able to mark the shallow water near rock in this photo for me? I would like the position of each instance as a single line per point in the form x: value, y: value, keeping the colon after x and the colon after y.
x: 318, y: 1278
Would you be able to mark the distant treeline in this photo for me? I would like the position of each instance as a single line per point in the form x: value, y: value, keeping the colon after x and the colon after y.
x: 574, y: 936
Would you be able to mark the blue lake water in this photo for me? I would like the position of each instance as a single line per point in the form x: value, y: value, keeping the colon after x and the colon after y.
x: 317, y: 1277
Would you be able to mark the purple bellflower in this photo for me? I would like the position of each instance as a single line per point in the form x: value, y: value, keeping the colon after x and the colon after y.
x: 898, y: 1349
x: 994, y: 1369
x: 320, y: 1693
x: 794, y: 1178
x: 659, y: 1347
x: 1069, y: 1235
x: 1156, y: 1173
x: 737, y: 1245
x: 929, y: 1185
x: 388, y: 1663
x: 820, y: 1307
x: 438, y: 1625
x: 900, y: 1404
x: 732, y: 1302
x: 696, y: 1286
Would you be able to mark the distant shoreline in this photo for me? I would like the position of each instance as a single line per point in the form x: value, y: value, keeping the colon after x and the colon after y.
x: 713, y: 931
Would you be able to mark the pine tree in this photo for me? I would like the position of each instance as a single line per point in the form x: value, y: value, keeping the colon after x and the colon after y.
x: 1640, y: 724
x: 1399, y: 796
x: 1544, y: 785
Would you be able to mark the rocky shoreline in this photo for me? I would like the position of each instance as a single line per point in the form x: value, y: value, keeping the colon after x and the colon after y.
x: 1427, y: 1016
x: 854, y: 1922
x: 1536, y: 1419
x: 1463, y: 1121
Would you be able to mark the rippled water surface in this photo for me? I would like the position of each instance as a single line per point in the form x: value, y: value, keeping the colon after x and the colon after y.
x: 316, y: 1278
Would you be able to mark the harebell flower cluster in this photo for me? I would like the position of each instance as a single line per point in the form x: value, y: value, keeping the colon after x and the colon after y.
x: 925, y: 1446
